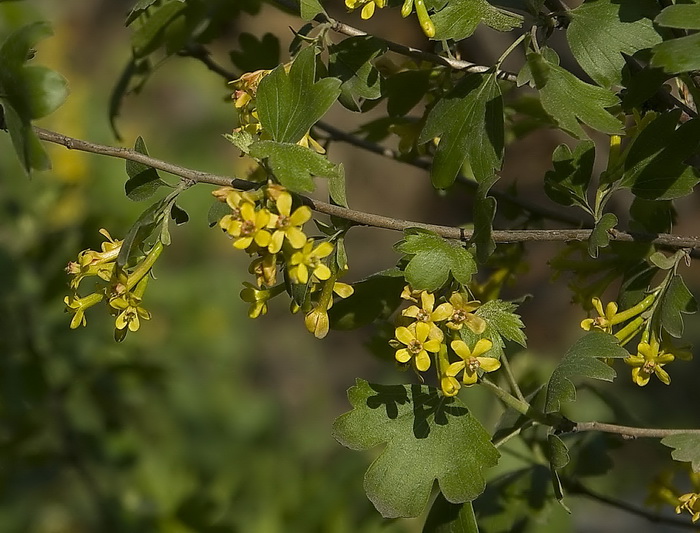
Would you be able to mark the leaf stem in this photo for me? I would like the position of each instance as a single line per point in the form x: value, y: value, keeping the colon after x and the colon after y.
x: 521, y: 406
x: 511, y: 379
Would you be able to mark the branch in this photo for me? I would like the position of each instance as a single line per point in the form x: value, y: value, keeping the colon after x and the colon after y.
x: 629, y: 432
x: 577, y: 488
x: 192, y: 177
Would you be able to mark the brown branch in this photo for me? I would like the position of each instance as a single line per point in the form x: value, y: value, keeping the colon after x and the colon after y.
x: 192, y: 177
x: 631, y: 432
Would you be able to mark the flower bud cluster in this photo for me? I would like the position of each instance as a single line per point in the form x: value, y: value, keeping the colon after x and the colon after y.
x: 121, y: 288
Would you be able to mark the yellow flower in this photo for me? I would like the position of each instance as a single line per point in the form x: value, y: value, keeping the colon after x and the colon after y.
x: 307, y: 261
x: 250, y: 228
x: 448, y: 384
x: 605, y: 319
x: 287, y: 224
x: 462, y: 314
x: 414, y: 337
x: 78, y: 306
x: 131, y: 313
x: 409, y: 294
x: 471, y: 360
x: 264, y: 268
x: 317, y: 322
x: 648, y: 361
x: 367, y: 6
x: 426, y: 314
x: 92, y: 263
x: 689, y: 502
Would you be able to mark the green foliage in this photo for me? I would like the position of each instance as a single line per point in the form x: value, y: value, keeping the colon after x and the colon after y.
x: 677, y: 55
x: 433, y: 259
x: 583, y: 359
x: 686, y: 448
x: 568, y: 183
x: 460, y: 18
x: 600, y: 236
x: 677, y: 300
x: 446, y: 517
x: 289, y: 104
x: 143, y: 181
x: 428, y: 438
x: 351, y: 62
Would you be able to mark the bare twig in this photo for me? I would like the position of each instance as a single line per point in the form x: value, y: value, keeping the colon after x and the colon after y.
x: 192, y: 177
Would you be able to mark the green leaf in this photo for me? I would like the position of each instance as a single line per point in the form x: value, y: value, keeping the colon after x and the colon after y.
x: 310, y: 8
x: 469, y: 122
x: 434, y: 259
x: 686, y: 448
x: 484, y: 213
x: 446, y: 517
x: 216, y: 212
x: 294, y: 165
x: 600, y: 236
x: 404, y: 90
x: 569, y: 100
x: 654, y: 166
x: 502, y: 318
x: 677, y: 300
x: 582, y: 359
x: 351, y: 62
x: 143, y: 227
x: 28, y: 92
x: 428, y: 437
x: 459, y: 19
x: 148, y: 36
x: 602, y: 30
x: 256, y: 54
x: 568, y: 183
x: 241, y: 140
x: 375, y: 297
x: 143, y: 181
x: 336, y: 186
x: 679, y: 55
x: 290, y: 103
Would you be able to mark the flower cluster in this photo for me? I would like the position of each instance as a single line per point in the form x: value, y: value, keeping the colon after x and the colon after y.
x: 121, y: 288
x: 427, y: 328
x: 651, y: 356
x: 245, y: 89
x: 265, y: 224
x: 368, y: 7
x: 663, y: 492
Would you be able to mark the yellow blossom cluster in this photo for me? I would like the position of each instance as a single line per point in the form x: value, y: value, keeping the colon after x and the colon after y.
x: 265, y: 224
x: 427, y: 330
x: 121, y: 288
x: 651, y: 356
x: 663, y: 492
x: 368, y: 7
x: 245, y: 89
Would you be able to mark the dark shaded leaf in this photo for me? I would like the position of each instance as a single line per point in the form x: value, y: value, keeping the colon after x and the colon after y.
x: 378, y: 296
x: 677, y: 301
x: 600, y: 236
x: 568, y: 183
x: 256, y: 54
x: 446, y: 517
x: 351, y: 62
x: 143, y: 181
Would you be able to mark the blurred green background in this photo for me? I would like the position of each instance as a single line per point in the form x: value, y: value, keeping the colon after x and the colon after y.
x: 206, y: 421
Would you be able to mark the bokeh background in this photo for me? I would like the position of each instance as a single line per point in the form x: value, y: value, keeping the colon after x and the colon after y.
x: 206, y: 421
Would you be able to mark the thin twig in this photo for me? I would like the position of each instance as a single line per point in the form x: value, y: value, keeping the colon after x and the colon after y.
x: 577, y: 488
x: 360, y: 217
x: 631, y: 432
x: 511, y: 379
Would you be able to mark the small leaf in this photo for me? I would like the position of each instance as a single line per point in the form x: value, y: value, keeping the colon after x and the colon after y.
x: 289, y: 104
x: 459, y: 19
x: 502, y: 317
x: 143, y: 181
x: 310, y: 8
x: 216, y: 212
x: 147, y: 37
x: 377, y: 296
x: 601, y: 31
x: 434, y: 259
x: 484, y: 213
x: 600, y: 236
x: 686, y: 448
x: 664, y: 262
x: 179, y: 215
x: 655, y: 165
x: 446, y: 517
x: 677, y: 301
x: 569, y: 100
x: 336, y: 186
x: 351, y: 62
x: 679, y: 55
x: 469, y: 122
x: 294, y: 165
x: 568, y: 183
x: 428, y: 437
x: 582, y: 359
x: 241, y: 140
x: 256, y: 54
x: 682, y: 16
x: 558, y: 452
x: 143, y: 227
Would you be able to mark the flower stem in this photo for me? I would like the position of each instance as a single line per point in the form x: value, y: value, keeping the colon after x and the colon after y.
x: 144, y: 266
x: 520, y: 406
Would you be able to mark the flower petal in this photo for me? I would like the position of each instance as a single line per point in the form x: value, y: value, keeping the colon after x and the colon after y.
x: 489, y: 364
x: 432, y: 345
x: 423, y: 361
x: 461, y: 349
x: 322, y: 272
x: 422, y: 331
x: 404, y: 335
x: 443, y: 312
x: 284, y: 204
x: 276, y: 242
x: 402, y: 355
x: 482, y: 346
x: 296, y: 237
x: 300, y: 216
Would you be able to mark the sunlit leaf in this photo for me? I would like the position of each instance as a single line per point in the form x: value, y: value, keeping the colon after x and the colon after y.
x: 686, y: 448
x: 459, y: 19
x: 428, y: 437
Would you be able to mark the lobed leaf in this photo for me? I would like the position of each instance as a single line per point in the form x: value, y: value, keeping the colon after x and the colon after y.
x: 460, y: 18
x: 469, y: 122
x: 294, y: 165
x: 501, y: 316
x: 601, y: 31
x: 582, y: 359
x: 600, y: 236
x: 677, y: 300
x: 143, y: 181
x: 446, y: 517
x: 679, y: 55
x: 568, y: 183
x: 290, y: 103
x: 428, y: 437
x: 434, y: 259
x: 351, y: 62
